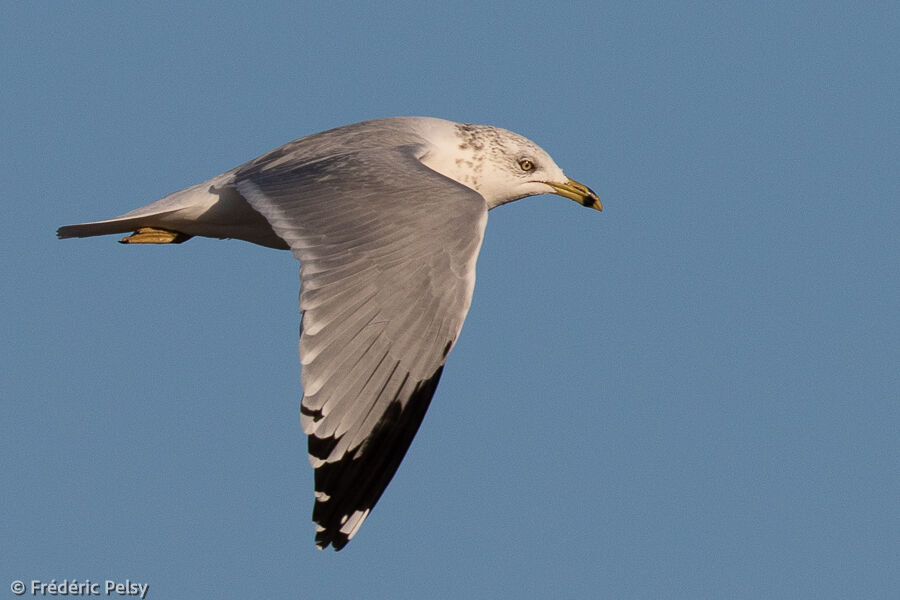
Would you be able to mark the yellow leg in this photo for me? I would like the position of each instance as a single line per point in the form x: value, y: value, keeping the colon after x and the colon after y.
x: 152, y: 235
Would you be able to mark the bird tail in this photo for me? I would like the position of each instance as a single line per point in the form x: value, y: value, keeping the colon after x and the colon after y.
x: 123, y: 224
x: 209, y: 209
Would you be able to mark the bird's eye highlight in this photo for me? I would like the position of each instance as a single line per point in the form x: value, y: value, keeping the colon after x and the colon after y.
x: 526, y: 165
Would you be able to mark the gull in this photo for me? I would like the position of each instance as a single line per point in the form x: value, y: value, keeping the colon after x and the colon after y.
x: 386, y: 218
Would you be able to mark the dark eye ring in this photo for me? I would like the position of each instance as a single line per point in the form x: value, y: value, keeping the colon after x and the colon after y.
x: 526, y: 165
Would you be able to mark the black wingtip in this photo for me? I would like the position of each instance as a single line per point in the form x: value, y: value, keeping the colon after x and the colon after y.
x: 353, y: 485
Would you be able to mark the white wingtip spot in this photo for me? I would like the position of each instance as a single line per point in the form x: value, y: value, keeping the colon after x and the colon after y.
x: 351, y: 526
x: 322, y: 496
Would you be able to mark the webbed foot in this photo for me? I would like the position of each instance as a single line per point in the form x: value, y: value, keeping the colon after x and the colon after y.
x: 152, y: 235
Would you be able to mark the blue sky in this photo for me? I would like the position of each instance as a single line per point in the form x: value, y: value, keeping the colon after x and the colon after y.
x: 693, y: 394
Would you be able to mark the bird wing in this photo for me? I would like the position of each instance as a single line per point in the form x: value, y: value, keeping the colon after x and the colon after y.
x: 387, y: 250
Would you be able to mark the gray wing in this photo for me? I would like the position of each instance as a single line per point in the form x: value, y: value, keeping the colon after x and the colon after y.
x: 387, y: 250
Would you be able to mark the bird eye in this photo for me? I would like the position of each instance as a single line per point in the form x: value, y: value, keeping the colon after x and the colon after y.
x: 526, y: 165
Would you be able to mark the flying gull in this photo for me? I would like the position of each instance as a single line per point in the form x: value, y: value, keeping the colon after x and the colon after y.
x: 386, y: 218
